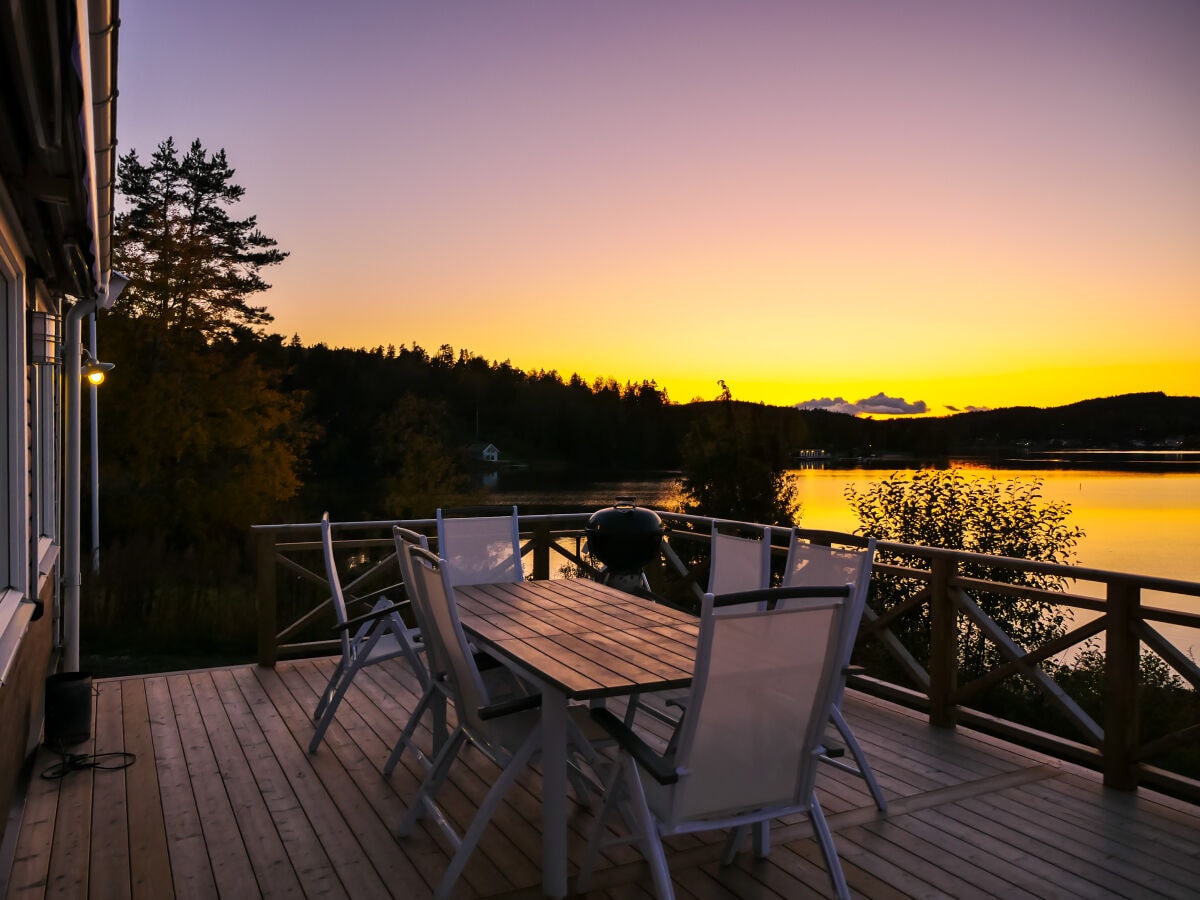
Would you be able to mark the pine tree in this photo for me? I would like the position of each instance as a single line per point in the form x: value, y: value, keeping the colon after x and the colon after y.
x: 201, y: 439
x: 192, y: 266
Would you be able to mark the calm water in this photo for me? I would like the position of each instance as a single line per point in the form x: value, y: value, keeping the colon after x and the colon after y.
x: 1145, y: 523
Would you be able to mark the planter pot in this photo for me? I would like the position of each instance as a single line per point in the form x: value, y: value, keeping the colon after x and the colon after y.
x: 68, y: 709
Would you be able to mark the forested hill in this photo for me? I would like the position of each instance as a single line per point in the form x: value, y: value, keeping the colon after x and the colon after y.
x: 229, y: 432
x: 387, y: 420
x: 1126, y: 422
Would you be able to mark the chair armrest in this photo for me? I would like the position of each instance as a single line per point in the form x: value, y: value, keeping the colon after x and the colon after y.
x: 662, y: 769
x: 854, y: 669
x: 371, y: 616
x: 771, y: 596
x: 508, y: 707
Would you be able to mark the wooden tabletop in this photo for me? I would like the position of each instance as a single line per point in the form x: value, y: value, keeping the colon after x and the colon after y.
x: 587, y: 639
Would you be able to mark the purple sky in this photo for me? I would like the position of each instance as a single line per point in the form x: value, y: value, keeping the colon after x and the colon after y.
x: 957, y: 203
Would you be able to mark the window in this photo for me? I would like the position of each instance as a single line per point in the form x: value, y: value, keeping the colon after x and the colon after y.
x: 15, y: 439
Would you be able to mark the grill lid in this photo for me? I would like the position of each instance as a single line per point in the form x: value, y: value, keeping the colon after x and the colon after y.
x: 625, y: 537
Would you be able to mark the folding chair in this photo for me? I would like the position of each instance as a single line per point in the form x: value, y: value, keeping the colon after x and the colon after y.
x: 373, y: 637
x: 506, y: 730
x: 499, y: 680
x: 764, y: 683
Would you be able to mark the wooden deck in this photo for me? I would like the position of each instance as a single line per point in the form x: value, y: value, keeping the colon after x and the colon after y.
x: 224, y: 801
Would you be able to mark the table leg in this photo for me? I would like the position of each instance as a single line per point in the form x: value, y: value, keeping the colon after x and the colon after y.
x: 554, y: 792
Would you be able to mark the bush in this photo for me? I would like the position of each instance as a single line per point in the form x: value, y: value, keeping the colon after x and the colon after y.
x: 944, y: 508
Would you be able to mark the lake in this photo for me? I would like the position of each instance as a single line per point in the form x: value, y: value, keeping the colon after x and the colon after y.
x: 1142, y: 522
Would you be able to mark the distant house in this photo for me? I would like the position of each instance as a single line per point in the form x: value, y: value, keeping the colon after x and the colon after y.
x: 810, y: 455
x: 483, y: 453
x: 57, y: 166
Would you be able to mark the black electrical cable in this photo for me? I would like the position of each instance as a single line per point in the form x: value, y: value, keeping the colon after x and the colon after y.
x: 72, y: 762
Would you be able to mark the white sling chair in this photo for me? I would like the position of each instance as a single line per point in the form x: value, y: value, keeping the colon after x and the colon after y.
x: 736, y: 563
x: 481, y: 545
x: 750, y: 740
x: 374, y: 637
x: 813, y: 564
x: 499, y: 680
x: 506, y: 730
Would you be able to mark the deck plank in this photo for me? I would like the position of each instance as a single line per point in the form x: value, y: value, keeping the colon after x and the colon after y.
x: 225, y: 800
x: 71, y: 849
x: 252, y: 822
x: 108, y: 875
x: 227, y: 850
x: 321, y: 797
x: 149, y: 858
x: 301, y: 847
x: 191, y: 871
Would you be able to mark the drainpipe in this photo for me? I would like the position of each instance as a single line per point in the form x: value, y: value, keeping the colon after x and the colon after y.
x: 73, y: 388
x: 94, y: 51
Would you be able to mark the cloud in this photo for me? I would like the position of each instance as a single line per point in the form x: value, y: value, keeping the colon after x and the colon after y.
x: 879, y: 405
x: 958, y: 409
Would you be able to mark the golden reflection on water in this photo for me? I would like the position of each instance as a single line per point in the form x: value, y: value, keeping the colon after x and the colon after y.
x: 1140, y: 522
x: 1145, y: 523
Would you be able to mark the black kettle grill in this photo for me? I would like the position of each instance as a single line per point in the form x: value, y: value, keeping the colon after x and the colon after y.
x: 626, y: 538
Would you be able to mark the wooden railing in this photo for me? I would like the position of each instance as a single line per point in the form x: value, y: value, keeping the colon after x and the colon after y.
x: 292, y: 588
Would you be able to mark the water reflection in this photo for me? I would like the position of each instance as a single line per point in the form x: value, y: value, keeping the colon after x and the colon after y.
x: 1135, y: 521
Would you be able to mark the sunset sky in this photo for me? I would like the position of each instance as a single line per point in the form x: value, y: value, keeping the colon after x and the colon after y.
x: 956, y: 204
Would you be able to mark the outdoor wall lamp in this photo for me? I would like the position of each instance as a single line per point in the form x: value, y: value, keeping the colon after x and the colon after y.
x: 94, y: 370
x: 45, y: 338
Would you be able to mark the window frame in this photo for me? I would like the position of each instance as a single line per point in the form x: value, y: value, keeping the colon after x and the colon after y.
x: 16, y: 578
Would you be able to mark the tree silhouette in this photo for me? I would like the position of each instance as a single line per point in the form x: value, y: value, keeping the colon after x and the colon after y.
x: 191, y: 265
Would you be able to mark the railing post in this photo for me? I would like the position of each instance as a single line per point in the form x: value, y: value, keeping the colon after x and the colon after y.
x: 943, y: 644
x: 268, y: 625
x: 541, y: 550
x: 1122, y: 676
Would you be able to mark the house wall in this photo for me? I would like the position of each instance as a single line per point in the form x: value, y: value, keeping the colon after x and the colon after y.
x: 21, y: 701
x: 29, y: 414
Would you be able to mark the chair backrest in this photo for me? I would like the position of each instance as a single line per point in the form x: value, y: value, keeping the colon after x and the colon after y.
x: 814, y: 564
x: 761, y: 694
x: 480, y: 548
x: 433, y: 596
x: 336, y: 594
x: 404, y: 538
x: 737, y: 562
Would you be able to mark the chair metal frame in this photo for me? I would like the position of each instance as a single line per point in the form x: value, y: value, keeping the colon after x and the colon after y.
x: 781, y: 718
x: 810, y: 563
x: 374, y: 637
x: 507, y: 731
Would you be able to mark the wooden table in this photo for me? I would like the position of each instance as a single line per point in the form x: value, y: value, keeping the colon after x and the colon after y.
x: 576, y: 640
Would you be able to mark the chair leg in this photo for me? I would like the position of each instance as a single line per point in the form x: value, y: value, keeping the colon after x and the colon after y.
x: 326, y: 694
x: 860, y: 758
x: 406, y: 735
x: 731, y: 844
x: 596, y: 836
x: 410, y: 649
x: 330, y: 708
x: 652, y: 846
x: 761, y: 834
x: 486, y: 810
x: 423, y: 802
x: 828, y: 850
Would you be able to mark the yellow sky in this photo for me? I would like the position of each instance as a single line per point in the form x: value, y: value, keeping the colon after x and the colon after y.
x: 968, y: 204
